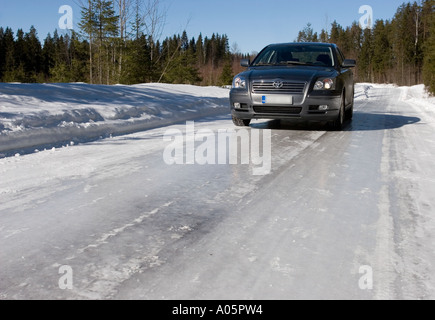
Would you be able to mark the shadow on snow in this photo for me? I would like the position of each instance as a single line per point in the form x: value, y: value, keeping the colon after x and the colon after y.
x: 361, y: 122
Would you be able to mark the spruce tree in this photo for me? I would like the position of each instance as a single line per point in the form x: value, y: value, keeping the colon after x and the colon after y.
x: 2, y: 53
x: 381, y: 51
x: 8, y: 45
x: 79, y: 54
x: 200, y: 51
x: 18, y: 70
x: 48, y: 56
x: 137, y: 66
x: 324, y: 37
x: 227, y: 73
x: 366, y: 57
x: 336, y: 34
x: 88, y: 26
x: 429, y: 55
x: 307, y: 34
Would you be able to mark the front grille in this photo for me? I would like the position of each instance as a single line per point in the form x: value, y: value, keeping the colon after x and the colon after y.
x: 287, y: 87
x: 278, y: 110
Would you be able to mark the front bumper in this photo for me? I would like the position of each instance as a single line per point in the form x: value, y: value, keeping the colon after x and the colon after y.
x: 246, y: 105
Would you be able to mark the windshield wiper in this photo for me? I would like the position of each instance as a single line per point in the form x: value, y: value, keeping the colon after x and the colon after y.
x: 264, y: 64
x: 281, y: 63
x: 295, y: 62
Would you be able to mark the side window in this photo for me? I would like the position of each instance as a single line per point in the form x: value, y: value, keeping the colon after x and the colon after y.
x: 340, y: 57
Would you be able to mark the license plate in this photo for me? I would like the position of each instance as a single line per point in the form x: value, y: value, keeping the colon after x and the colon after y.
x: 277, y: 99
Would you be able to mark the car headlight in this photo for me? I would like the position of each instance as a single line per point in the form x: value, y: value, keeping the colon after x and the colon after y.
x: 325, y: 84
x: 239, y: 82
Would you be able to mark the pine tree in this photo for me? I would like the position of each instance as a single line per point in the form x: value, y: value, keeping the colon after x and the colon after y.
x: 307, y: 34
x: 403, y: 48
x: 8, y: 45
x: 137, y: 67
x: 182, y: 70
x: 33, y: 58
x: 336, y: 34
x: 429, y: 54
x: 106, y: 31
x: 99, y: 23
x: 355, y: 36
x: 184, y: 41
x: 138, y: 22
x: 381, y: 51
x: 48, y: 56
x: 366, y: 57
x: 78, y: 53
x: 324, y: 37
x: 88, y: 25
x: 227, y: 73
x: 18, y: 71
x: 2, y: 52
x: 200, y: 51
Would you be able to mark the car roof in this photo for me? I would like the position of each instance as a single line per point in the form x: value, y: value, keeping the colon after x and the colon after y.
x: 303, y: 43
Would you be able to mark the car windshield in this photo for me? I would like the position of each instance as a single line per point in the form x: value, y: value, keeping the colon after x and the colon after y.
x: 314, y: 55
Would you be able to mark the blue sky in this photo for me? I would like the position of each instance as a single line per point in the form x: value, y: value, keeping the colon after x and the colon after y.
x: 251, y: 24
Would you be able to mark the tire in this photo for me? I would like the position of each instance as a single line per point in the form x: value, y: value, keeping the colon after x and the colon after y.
x: 241, y: 122
x: 338, y: 124
x: 349, y: 113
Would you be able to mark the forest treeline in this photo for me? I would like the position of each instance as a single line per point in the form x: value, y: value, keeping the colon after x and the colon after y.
x: 116, y: 43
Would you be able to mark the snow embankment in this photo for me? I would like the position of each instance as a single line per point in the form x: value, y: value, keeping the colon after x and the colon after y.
x: 419, y: 96
x: 414, y: 94
x: 33, y: 115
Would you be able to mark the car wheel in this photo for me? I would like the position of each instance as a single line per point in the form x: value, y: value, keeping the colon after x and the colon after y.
x: 241, y: 122
x: 349, y: 113
x: 339, y: 122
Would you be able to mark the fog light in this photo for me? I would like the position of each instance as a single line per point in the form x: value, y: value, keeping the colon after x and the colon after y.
x: 237, y: 105
x: 323, y: 108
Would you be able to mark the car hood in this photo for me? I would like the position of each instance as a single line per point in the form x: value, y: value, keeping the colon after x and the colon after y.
x: 294, y: 73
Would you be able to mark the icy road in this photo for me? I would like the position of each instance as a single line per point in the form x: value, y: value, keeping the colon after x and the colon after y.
x: 340, y: 215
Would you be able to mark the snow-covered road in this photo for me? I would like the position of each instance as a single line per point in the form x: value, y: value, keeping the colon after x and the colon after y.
x: 340, y: 215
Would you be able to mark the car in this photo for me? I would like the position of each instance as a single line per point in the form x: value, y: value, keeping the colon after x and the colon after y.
x: 295, y: 81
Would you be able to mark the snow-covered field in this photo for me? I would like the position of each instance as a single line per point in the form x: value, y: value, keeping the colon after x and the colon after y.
x: 335, y: 207
x: 34, y: 115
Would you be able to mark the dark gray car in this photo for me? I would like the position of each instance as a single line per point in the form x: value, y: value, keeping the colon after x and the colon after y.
x: 300, y: 81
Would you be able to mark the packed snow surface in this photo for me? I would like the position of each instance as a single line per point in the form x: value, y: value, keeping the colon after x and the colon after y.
x: 341, y: 214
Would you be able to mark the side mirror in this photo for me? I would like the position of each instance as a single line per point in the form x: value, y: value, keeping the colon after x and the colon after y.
x: 349, y: 63
x: 245, y: 63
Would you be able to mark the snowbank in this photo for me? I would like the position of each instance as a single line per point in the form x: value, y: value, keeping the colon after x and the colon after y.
x: 33, y: 115
x: 414, y: 94
x: 417, y: 94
